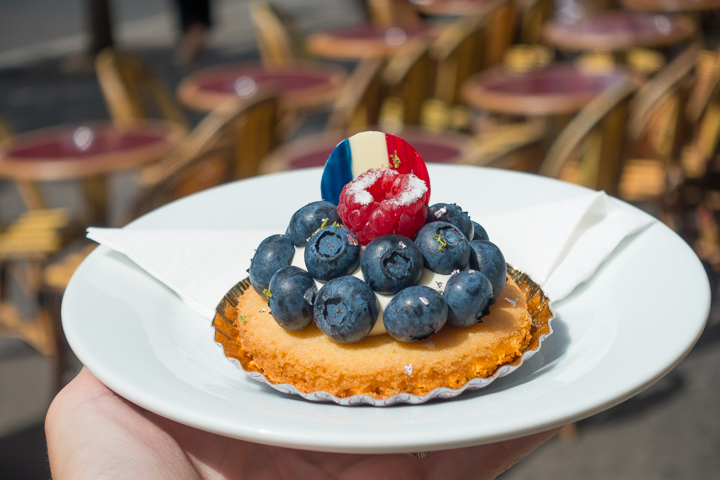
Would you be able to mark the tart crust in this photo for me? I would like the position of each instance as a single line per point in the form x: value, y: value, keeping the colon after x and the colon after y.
x: 378, y: 366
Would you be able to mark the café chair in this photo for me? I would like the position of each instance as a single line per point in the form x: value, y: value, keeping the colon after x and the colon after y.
x: 590, y: 150
x: 29, y: 191
x: 389, y: 13
x: 280, y: 40
x: 358, y: 104
x: 401, y: 96
x: 227, y: 144
x: 532, y: 16
x: 461, y: 50
x: 133, y: 92
x: 657, y: 128
x: 406, y: 82
x: 26, y: 246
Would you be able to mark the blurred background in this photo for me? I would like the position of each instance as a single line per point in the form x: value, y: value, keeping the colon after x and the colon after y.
x: 109, y: 109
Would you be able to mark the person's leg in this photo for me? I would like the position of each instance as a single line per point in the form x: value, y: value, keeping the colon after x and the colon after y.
x: 194, y: 16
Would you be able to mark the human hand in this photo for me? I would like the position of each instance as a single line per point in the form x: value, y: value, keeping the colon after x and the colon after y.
x: 94, y: 433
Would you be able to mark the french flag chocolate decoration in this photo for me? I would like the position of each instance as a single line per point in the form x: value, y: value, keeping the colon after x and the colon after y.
x: 363, y: 151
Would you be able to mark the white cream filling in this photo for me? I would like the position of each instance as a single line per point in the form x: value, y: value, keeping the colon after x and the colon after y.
x: 429, y: 278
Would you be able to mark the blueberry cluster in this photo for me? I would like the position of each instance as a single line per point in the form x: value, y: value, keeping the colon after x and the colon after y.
x: 345, y: 308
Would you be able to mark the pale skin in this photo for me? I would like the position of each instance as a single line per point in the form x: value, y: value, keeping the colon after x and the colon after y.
x: 92, y: 433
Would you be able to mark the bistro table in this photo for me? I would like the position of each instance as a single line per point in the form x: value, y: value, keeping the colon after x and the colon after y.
x: 86, y: 152
x: 364, y: 41
x: 452, y: 7
x: 671, y: 5
x: 299, y: 86
x: 559, y: 89
x: 618, y: 31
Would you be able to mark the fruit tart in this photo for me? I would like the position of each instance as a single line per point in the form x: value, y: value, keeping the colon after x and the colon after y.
x: 374, y: 296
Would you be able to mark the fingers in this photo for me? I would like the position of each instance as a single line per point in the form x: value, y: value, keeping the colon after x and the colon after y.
x: 484, y: 461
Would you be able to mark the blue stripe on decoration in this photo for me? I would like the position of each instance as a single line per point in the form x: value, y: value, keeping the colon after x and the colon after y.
x: 337, y: 173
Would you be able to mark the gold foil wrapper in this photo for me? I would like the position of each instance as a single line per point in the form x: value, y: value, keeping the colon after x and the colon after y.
x: 539, y: 308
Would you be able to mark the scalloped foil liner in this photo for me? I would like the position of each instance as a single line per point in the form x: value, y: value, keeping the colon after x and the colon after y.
x: 538, y: 306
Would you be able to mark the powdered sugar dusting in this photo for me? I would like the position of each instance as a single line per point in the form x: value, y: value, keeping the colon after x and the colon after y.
x: 416, y: 188
x: 441, y: 212
x: 358, y: 189
x: 408, y: 369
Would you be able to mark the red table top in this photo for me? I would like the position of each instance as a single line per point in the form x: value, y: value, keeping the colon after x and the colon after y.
x: 619, y: 30
x: 671, y: 5
x: 363, y: 41
x: 557, y: 89
x: 297, y: 86
x: 71, y: 151
x: 451, y: 7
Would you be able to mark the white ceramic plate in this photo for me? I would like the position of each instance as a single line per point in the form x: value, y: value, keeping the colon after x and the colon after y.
x: 613, y: 337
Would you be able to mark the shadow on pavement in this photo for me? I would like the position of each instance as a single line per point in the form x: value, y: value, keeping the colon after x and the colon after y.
x: 23, y: 455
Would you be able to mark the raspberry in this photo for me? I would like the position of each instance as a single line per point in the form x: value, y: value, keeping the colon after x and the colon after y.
x: 382, y: 201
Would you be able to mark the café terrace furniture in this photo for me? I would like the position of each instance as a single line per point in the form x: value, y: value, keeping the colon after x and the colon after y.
x: 299, y: 86
x: 591, y: 149
x: 531, y: 14
x: 557, y: 90
x: 132, y: 92
x: 395, y: 88
x: 280, y: 40
x: 26, y: 245
x: 364, y: 41
x: 87, y: 153
x: 464, y: 48
x: 388, y: 13
x: 618, y: 30
x: 657, y: 128
x: 671, y: 5
x: 551, y: 95
x: 227, y: 144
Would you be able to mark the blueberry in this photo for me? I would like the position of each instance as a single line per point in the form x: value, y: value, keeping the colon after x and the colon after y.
x: 391, y: 263
x: 451, y: 213
x: 309, y: 219
x: 414, y: 314
x: 491, y: 262
x: 273, y: 253
x: 479, y: 232
x: 444, y: 248
x: 292, y: 293
x: 468, y: 295
x: 332, y: 252
x: 346, y: 309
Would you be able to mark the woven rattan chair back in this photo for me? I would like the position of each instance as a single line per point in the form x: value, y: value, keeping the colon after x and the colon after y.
x: 388, y: 13
x: 358, y: 105
x: 459, y: 52
x: 29, y: 190
x: 532, y: 15
x: 590, y: 150
x: 227, y: 144
x: 656, y: 121
x: 132, y: 92
x: 406, y: 81
x: 703, y: 114
x: 280, y: 39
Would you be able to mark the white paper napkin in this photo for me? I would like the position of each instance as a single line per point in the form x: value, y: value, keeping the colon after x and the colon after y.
x: 560, y: 245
